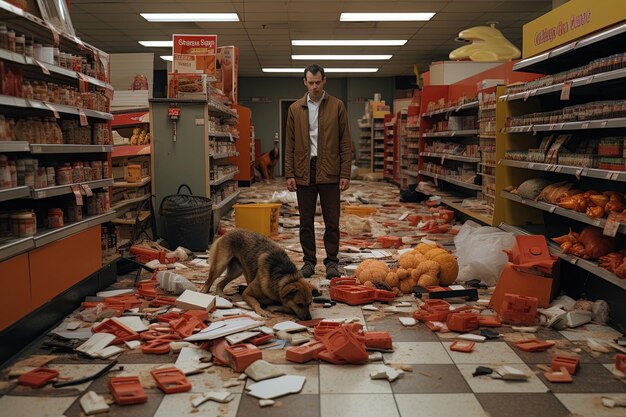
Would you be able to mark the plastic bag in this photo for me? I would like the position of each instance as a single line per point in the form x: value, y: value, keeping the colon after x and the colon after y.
x: 480, y: 252
x: 354, y: 225
x: 287, y: 197
x: 174, y: 283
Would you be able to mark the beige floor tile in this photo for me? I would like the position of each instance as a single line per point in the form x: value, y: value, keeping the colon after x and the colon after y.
x: 362, y: 405
x: 591, y: 330
x: 418, y: 353
x: 486, y: 384
x: 351, y: 379
x: 439, y: 405
x: 494, y: 353
x: 34, y: 406
x: 180, y: 405
x: 590, y: 405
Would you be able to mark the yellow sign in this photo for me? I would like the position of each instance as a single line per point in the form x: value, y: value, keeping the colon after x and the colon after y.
x: 569, y: 22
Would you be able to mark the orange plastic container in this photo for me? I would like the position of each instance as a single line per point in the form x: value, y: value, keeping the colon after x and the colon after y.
x: 568, y: 362
x: 243, y: 355
x: 378, y: 340
x: 304, y: 353
x: 325, y: 327
x: 534, y: 345
x: 518, y: 309
x: 620, y: 362
x: 38, y: 377
x: 462, y: 322
x: 159, y: 346
x: 329, y: 357
x: 127, y: 390
x: 146, y: 289
x: 170, y: 380
x: 198, y: 314
x: 343, y: 343
x: 185, y: 326
x: 358, y: 294
x: 489, y: 321
x: 462, y: 346
x: 390, y: 241
x: 122, y: 333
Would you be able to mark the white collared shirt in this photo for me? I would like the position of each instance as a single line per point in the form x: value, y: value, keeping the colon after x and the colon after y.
x: 314, y: 111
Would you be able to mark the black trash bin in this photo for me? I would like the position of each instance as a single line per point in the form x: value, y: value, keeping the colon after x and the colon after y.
x: 188, y: 220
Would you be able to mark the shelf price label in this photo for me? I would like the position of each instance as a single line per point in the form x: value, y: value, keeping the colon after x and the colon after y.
x: 526, y: 95
x: 579, y: 172
x: 44, y: 69
x: 53, y: 110
x: 565, y: 91
x: 610, y: 227
x: 83, y: 82
x: 87, y: 190
x: 77, y: 194
x: 56, y: 36
x: 83, y: 118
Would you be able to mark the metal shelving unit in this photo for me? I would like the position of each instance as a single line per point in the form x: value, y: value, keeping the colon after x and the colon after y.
x: 452, y: 157
x: 451, y: 133
x: 616, y: 123
x: 570, y: 170
x: 451, y: 180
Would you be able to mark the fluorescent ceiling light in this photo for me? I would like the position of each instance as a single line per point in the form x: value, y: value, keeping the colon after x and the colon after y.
x: 385, y: 17
x: 167, y: 57
x: 157, y: 44
x: 341, y: 57
x: 359, y: 42
x: 300, y: 70
x: 190, y: 17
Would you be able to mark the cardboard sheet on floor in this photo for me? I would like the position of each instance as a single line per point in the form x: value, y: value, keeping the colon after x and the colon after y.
x: 224, y: 328
x: 276, y: 387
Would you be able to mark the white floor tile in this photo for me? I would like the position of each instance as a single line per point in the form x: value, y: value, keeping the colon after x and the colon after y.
x: 35, y: 406
x: 180, y: 405
x: 439, y: 405
x: 486, y: 384
x: 591, y: 330
x: 362, y: 405
x: 492, y: 353
x: 590, y: 405
x: 351, y: 379
x: 418, y: 353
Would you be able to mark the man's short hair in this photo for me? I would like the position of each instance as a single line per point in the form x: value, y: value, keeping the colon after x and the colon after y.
x: 314, y: 69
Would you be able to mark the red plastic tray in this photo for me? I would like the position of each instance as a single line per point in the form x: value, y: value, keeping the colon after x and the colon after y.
x: 357, y: 294
x: 127, y: 390
x: 170, y: 380
x: 122, y: 333
x: 37, y: 377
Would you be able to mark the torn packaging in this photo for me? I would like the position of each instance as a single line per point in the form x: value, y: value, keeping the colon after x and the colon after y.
x: 271, y: 276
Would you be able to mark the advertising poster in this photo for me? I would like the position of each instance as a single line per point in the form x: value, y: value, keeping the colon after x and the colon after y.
x: 195, y: 54
x: 227, y: 71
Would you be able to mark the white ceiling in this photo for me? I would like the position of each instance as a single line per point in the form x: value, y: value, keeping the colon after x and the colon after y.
x: 266, y: 28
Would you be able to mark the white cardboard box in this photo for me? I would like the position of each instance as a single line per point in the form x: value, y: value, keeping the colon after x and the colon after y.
x: 193, y: 300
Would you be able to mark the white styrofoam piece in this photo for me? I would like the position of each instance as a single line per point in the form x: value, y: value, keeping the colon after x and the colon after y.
x: 222, y: 302
x: 190, y: 368
x: 276, y: 387
x: 597, y: 346
x: 109, y: 351
x: 224, y: 328
x: 577, y: 318
x: 236, y: 338
x: 73, y: 325
x: 510, y: 373
x: 525, y: 329
x: 227, y: 312
x: 261, y: 370
x: 92, y: 403
x: 188, y: 354
x: 218, y: 396
x: 266, y: 403
x: 456, y: 287
x: 483, y: 302
x: 178, y: 265
x: 407, y: 321
x: 369, y: 307
x: 472, y: 337
x: 176, y: 347
x: 242, y: 377
x: 242, y: 304
x: 113, y: 293
x: 154, y: 264
x: 194, y: 300
x: 387, y: 373
x: 200, y: 262
x: 133, y: 322
x: 96, y: 343
x: 375, y: 356
x: 289, y: 326
x: 564, y: 302
x: 391, y: 309
x: 266, y: 330
x: 404, y: 304
x: 299, y: 339
x: 404, y: 215
x: 132, y: 344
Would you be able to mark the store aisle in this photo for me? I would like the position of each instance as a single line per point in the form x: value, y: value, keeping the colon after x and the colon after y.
x: 437, y: 381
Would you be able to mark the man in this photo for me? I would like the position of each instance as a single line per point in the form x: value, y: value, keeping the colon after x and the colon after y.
x: 268, y: 161
x: 317, y: 162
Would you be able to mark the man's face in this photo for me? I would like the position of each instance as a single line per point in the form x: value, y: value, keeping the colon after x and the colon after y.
x: 315, y: 85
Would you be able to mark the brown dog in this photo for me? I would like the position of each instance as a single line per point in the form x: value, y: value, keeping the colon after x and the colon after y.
x: 271, y: 276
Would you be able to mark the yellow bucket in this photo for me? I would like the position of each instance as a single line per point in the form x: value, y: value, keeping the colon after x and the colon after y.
x: 260, y: 217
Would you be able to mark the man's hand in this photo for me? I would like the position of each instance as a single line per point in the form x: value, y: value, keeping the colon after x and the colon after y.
x: 291, y: 184
x: 344, y: 184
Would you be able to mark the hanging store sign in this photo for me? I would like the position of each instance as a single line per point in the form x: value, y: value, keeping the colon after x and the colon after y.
x: 194, y: 54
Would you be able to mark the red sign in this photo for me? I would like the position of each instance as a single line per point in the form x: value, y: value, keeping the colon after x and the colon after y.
x: 194, y: 54
x: 173, y: 111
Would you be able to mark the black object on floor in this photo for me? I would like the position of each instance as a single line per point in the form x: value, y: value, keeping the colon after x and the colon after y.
x: 482, y: 370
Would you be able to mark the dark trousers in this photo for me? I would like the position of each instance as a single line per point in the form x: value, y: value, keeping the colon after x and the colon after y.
x: 330, y: 202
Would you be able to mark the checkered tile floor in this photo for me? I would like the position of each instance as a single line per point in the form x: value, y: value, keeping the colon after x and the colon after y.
x: 440, y: 383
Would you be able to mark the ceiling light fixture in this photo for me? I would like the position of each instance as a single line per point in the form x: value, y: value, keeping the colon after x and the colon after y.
x: 300, y: 70
x: 341, y: 57
x: 355, y: 42
x: 385, y: 17
x: 190, y: 17
x: 167, y: 57
x: 157, y: 44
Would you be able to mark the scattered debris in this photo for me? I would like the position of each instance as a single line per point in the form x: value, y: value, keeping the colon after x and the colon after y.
x: 370, y: 307
x: 193, y: 300
x: 266, y: 403
x: 217, y: 396
x: 261, y: 370
x: 289, y: 327
x: 92, y: 403
x: 612, y: 402
x: 472, y: 337
x: 509, y: 373
x: 597, y: 346
x: 482, y: 370
x: 407, y: 321
x: 387, y: 373
x: 231, y: 383
x: 276, y: 387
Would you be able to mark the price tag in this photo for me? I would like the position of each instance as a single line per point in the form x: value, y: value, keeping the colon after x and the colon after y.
x: 230, y: 135
x: 603, y: 123
x: 597, y: 222
x: 40, y: 194
x: 551, y: 126
x: 526, y: 95
x: 573, y: 260
x: 585, y: 125
x: 565, y: 91
x: 80, y: 43
x: 87, y: 190
x: 44, y: 69
x: 531, y: 166
x: 609, y: 175
x: 436, y: 182
x: 579, y: 172
x: 523, y: 201
x: 83, y: 82
x: 443, y: 159
x: 453, y: 133
x: 108, y: 93
x: 55, y: 34
x: 559, y: 168
x: 551, y: 209
x: 590, y: 79
x: 77, y: 194
x: 533, y: 129
x: 610, y: 227
x: 83, y: 118
x: 615, y: 176
x: 53, y: 110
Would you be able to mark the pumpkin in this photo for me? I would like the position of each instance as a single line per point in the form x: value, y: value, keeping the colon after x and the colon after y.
x: 372, y: 270
x: 427, y: 281
x: 424, y: 247
x: 392, y: 279
x: 410, y: 259
x: 434, y: 252
x: 449, y: 268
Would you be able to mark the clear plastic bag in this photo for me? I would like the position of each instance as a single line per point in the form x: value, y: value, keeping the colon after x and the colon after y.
x: 286, y: 197
x: 480, y: 252
x: 174, y: 283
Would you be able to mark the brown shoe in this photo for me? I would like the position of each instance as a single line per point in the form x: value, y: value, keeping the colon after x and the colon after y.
x: 333, y: 271
x: 307, y: 270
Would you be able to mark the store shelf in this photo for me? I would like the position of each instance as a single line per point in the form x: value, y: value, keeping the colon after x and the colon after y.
x: 224, y: 178
x: 14, y: 146
x: 131, y: 222
x: 50, y: 235
x: 130, y: 201
x: 590, y: 82
x: 223, y: 135
x: 457, y: 204
x: 127, y: 151
x: 226, y: 201
x: 466, y: 106
x: 451, y: 180
x: 551, y: 208
x: 48, y: 149
x: 126, y: 184
x: 14, y: 193
x: 485, y: 164
x: 224, y: 155
x: 221, y: 109
x: 451, y: 133
x: 11, y: 101
x: 597, y: 45
x: 130, y: 117
x: 450, y: 156
x: 10, y: 247
x: 588, y: 266
x: 570, y: 170
x: 47, y: 192
x: 487, y: 137
x: 619, y: 122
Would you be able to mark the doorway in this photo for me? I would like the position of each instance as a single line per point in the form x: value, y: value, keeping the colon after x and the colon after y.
x: 283, y: 111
